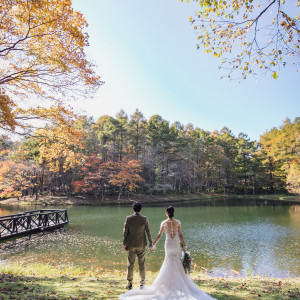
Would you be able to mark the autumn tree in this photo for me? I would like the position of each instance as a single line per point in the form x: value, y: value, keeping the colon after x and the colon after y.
x: 293, y: 180
x: 6, y: 146
x: 95, y: 177
x: 60, y: 153
x: 13, y: 179
x: 252, y: 37
x: 56, y: 148
x: 52, y: 153
x: 125, y: 174
x: 7, y: 114
x: 42, y: 54
x: 280, y: 148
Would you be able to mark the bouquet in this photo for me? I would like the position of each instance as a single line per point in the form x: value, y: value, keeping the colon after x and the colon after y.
x: 187, y: 262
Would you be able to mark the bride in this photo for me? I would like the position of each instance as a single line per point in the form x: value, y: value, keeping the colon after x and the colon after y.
x: 171, y: 282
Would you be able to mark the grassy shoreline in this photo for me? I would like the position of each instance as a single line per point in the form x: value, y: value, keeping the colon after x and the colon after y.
x: 146, y: 199
x: 42, y: 281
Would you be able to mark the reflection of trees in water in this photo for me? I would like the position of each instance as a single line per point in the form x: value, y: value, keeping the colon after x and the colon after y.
x: 295, y: 209
x: 64, y: 247
x: 294, y: 212
x: 4, y: 212
x: 287, y: 245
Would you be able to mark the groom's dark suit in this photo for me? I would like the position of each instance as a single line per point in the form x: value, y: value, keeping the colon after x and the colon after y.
x: 135, y: 229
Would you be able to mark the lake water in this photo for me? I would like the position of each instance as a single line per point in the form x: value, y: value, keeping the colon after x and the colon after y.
x: 223, y: 238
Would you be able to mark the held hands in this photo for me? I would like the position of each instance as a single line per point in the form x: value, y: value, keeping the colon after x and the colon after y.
x: 184, y: 249
x: 152, y: 248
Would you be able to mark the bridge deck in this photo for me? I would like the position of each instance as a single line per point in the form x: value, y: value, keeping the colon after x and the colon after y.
x: 31, y: 221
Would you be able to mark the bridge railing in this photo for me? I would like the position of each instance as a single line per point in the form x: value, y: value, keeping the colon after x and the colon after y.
x: 30, y: 221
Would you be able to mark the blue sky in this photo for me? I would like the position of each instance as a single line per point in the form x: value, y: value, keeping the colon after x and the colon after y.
x: 146, y: 54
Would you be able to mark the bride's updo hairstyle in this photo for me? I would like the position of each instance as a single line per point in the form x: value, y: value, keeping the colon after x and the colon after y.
x: 170, y: 211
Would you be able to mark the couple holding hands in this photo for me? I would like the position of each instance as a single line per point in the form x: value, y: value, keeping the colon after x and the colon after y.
x: 171, y: 282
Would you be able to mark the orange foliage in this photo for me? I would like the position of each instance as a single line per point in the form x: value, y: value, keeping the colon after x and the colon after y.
x: 95, y: 175
x: 98, y: 174
x: 60, y: 144
x: 12, y: 179
x: 125, y: 173
x: 7, y: 116
x: 293, y: 179
x: 42, y: 53
x: 80, y: 186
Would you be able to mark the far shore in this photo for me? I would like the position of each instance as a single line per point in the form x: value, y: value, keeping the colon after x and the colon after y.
x: 49, y: 200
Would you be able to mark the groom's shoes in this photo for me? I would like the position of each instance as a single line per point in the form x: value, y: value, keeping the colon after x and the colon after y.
x: 129, y: 286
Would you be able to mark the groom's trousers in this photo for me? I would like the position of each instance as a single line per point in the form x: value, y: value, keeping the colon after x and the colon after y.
x: 140, y: 253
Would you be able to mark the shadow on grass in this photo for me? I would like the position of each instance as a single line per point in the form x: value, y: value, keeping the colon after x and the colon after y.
x: 22, y: 287
x: 58, y: 287
x: 108, y: 285
x: 256, y: 288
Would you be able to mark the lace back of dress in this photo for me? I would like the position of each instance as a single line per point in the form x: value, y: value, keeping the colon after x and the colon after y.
x: 171, y: 227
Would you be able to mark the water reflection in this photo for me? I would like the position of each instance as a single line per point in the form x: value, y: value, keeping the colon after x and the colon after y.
x: 4, y: 212
x: 222, y: 239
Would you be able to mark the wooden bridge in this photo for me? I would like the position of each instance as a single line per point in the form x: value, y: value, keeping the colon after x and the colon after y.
x: 32, y: 221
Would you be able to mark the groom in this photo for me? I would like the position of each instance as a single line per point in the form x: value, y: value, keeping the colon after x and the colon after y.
x: 134, y: 242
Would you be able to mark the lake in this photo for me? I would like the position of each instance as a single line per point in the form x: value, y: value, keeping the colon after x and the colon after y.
x: 232, y: 238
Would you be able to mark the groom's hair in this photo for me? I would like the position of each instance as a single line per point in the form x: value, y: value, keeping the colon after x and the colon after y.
x: 137, y: 206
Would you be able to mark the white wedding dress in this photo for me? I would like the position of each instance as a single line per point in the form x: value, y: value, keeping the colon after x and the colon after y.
x: 171, y: 282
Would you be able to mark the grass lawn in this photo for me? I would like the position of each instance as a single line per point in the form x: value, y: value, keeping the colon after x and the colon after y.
x: 38, y: 281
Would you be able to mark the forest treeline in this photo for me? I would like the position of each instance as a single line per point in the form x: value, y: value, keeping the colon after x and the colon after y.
x: 76, y: 155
